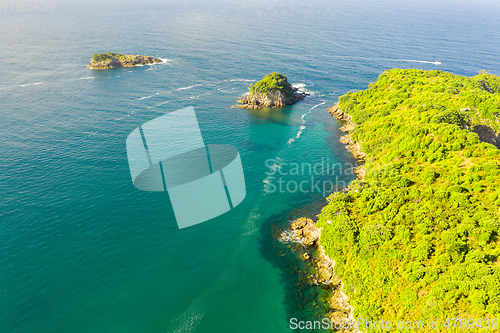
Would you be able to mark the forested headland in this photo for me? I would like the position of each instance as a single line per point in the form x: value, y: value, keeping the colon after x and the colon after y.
x: 418, y: 237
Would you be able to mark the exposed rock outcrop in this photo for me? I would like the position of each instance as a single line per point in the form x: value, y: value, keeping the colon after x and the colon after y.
x: 273, y: 99
x: 304, y: 230
x: 335, y: 112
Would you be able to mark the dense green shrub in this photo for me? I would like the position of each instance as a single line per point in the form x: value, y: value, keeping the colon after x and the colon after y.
x: 272, y: 82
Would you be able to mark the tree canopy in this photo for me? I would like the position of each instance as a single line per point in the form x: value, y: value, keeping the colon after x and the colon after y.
x: 417, y: 238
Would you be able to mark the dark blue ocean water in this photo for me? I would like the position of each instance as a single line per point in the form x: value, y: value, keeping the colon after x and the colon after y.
x: 81, y: 250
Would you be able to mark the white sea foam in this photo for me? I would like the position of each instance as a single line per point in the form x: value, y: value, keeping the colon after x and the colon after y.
x: 190, y: 87
x: 289, y: 236
x: 241, y: 80
x: 164, y: 60
x: 422, y: 61
x: 87, y: 78
x: 29, y: 84
x: 388, y: 59
x: 146, y: 97
x: 226, y: 91
x: 162, y: 103
x: 90, y: 134
x: 299, y: 86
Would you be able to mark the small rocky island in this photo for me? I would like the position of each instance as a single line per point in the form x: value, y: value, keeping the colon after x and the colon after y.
x: 112, y: 59
x: 272, y: 91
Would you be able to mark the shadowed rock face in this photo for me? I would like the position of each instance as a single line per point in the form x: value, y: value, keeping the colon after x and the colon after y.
x: 487, y: 134
x: 123, y: 61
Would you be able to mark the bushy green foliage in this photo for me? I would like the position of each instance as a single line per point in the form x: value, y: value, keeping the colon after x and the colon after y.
x: 453, y: 117
x: 99, y: 57
x: 272, y: 82
x: 488, y: 82
x: 418, y: 238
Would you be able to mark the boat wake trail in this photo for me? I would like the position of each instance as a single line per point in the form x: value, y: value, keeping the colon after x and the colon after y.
x: 185, y: 88
x: 388, y: 59
x: 302, y: 126
x: 146, y: 97
x: 422, y: 61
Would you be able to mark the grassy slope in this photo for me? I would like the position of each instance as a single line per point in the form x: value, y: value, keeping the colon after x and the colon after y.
x: 418, y: 238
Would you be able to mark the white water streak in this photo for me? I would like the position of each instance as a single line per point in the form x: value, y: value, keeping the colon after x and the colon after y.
x: 190, y: 87
x: 302, y: 126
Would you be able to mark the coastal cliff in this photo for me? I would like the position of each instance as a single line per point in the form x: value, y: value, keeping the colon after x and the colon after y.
x: 272, y: 91
x: 112, y: 60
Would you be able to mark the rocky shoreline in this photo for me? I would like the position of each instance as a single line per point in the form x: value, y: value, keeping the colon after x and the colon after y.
x: 304, y: 231
x: 274, y: 99
x: 351, y: 145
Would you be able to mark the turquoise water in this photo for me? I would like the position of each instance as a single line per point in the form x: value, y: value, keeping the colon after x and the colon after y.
x: 81, y: 250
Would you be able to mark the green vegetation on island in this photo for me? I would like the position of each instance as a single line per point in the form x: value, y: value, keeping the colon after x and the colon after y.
x: 418, y: 237
x: 99, y: 57
x: 108, y: 60
x: 272, y: 91
x: 272, y: 82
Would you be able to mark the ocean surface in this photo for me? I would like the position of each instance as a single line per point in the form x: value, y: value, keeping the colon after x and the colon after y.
x: 82, y: 250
